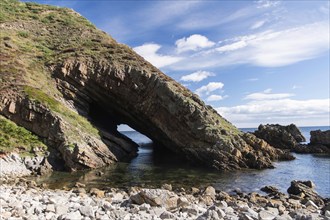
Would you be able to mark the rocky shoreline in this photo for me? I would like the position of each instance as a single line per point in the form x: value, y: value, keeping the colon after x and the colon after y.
x: 24, y: 199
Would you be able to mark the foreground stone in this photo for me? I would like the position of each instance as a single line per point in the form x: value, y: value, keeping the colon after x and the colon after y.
x: 306, y: 191
x: 22, y: 202
x: 12, y: 165
x: 75, y: 97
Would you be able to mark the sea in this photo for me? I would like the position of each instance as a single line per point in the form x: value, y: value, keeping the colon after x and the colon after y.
x: 152, y: 169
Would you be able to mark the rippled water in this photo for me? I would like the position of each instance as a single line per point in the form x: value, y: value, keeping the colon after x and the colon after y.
x: 152, y: 168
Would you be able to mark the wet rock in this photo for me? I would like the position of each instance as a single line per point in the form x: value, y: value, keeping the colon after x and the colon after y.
x: 305, y: 189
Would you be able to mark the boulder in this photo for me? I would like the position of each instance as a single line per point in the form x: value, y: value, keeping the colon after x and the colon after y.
x: 305, y: 191
x: 156, y: 197
x: 283, y: 137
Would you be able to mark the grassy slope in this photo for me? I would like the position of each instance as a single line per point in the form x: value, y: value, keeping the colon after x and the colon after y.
x: 13, y: 137
x: 24, y: 63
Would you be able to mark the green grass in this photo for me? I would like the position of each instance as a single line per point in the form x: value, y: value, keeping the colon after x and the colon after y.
x: 14, y: 137
x: 70, y: 116
x: 23, y: 34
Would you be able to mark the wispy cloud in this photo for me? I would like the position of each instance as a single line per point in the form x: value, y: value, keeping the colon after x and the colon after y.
x: 265, y: 49
x: 162, y: 12
x: 193, y: 42
x: 197, y: 76
x: 211, y: 87
x: 267, y: 3
x: 232, y: 47
x: 149, y: 52
x: 258, y: 24
x: 267, y: 95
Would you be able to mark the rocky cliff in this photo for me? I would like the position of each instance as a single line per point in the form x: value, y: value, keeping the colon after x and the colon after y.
x: 72, y: 84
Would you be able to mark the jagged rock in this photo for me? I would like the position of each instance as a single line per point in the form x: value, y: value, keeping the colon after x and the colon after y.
x: 283, y: 137
x: 305, y: 190
x: 76, y: 94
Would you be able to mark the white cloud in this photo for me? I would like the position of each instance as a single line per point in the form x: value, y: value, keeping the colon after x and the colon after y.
x: 196, y: 76
x: 266, y: 49
x: 194, y: 42
x: 213, y: 98
x: 207, y: 89
x: 267, y: 95
x: 232, y: 47
x: 258, y: 24
x: 149, y: 52
x: 301, y: 112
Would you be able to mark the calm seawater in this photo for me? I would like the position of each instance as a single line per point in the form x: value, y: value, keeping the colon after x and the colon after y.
x: 152, y: 168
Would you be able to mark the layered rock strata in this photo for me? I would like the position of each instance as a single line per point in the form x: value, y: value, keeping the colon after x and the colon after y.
x: 74, y: 84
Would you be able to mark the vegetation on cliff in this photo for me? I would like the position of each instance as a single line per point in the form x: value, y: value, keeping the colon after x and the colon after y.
x: 16, y: 138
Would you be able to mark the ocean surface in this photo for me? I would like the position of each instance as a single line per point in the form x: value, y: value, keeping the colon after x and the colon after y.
x: 152, y: 168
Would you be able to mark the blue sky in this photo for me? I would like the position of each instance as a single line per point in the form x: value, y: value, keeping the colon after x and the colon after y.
x: 253, y: 61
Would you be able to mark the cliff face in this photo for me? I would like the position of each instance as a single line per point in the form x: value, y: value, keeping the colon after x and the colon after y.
x: 72, y: 84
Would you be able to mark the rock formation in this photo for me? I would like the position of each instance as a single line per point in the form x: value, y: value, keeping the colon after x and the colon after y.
x: 283, y: 137
x: 319, y: 137
x: 319, y: 143
x: 72, y: 84
x: 305, y: 190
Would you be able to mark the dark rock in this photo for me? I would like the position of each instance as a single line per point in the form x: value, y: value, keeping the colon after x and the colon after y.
x: 320, y: 141
x: 283, y: 137
x: 270, y: 189
x: 305, y: 190
x: 311, y: 148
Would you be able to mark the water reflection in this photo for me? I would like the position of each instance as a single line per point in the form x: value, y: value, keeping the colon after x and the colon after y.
x: 152, y: 169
